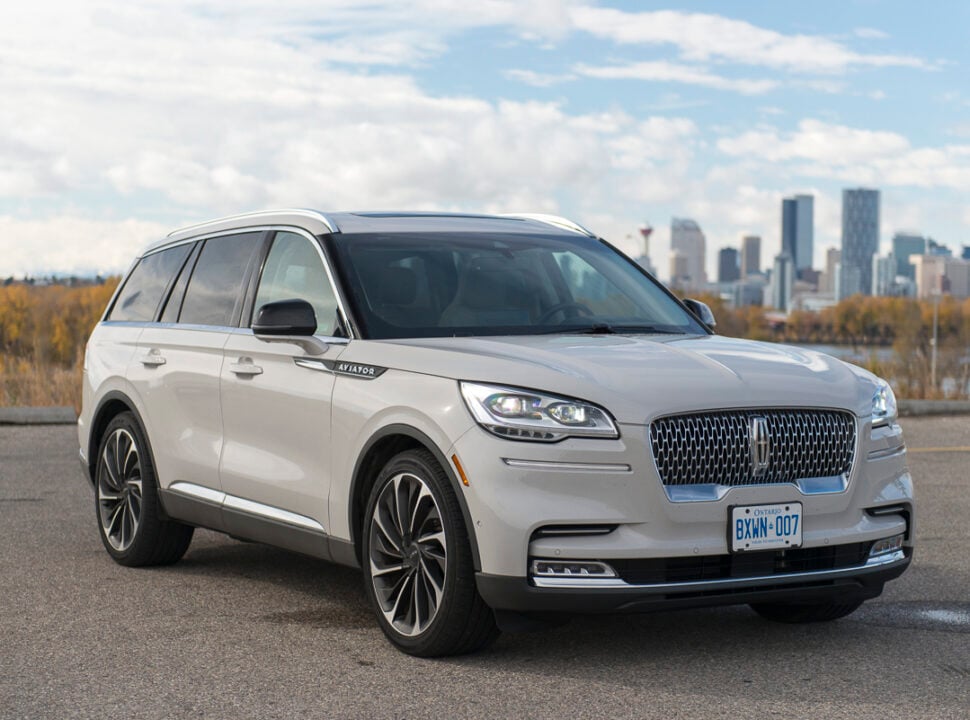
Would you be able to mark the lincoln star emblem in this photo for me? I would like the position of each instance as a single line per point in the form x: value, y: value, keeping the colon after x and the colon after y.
x: 760, y: 445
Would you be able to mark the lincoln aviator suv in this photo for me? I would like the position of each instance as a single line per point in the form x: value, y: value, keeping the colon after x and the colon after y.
x: 500, y: 419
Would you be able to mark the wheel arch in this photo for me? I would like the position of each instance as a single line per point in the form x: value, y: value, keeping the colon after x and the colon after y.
x: 111, y: 405
x: 377, y: 451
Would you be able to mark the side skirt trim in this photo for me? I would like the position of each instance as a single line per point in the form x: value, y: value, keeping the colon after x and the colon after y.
x: 231, y: 502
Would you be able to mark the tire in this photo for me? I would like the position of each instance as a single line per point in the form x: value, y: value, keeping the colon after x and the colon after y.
x: 126, y: 500
x: 422, y: 588
x: 806, y: 613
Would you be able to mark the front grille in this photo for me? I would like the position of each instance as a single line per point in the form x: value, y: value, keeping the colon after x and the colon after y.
x: 716, y: 447
x: 765, y: 563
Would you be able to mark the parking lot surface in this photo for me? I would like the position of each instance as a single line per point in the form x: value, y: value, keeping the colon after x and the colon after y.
x: 239, y: 630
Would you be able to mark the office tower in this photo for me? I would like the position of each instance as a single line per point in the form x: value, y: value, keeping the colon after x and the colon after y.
x: 728, y: 269
x: 750, y: 255
x: 828, y: 283
x: 687, y: 239
x: 860, y: 239
x: 884, y: 275
x: 679, y: 273
x: 798, y: 230
x: 904, y: 245
x: 935, y: 248
x: 782, y: 280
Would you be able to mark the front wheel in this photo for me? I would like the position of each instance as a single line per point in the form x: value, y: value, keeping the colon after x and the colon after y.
x: 807, y: 612
x: 418, y: 570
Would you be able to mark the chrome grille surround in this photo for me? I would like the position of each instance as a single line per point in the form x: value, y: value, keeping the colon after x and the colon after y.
x: 714, y: 448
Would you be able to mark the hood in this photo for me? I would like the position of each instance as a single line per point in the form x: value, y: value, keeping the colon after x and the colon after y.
x: 636, y: 378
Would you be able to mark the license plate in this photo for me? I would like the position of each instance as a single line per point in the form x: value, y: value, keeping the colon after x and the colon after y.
x: 766, y: 527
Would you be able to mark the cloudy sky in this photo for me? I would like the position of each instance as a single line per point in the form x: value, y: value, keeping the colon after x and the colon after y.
x: 122, y: 120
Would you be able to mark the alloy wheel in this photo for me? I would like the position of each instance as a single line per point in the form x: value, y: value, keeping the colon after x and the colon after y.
x: 408, y: 554
x: 120, y: 489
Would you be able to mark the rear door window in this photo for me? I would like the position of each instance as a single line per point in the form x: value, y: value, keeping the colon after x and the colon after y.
x: 146, y: 284
x: 215, y: 290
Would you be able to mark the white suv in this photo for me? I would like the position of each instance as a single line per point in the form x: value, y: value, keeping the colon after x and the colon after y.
x: 499, y: 419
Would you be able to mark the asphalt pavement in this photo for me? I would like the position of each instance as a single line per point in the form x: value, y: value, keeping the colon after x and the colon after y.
x: 239, y: 630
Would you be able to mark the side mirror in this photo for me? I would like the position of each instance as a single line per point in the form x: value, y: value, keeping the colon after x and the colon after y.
x: 701, y: 312
x: 292, y: 321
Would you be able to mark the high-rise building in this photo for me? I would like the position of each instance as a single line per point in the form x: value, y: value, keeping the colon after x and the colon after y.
x: 904, y: 245
x: 827, y: 281
x: 798, y: 229
x: 679, y: 273
x: 782, y: 281
x: 883, y: 275
x: 935, y: 248
x: 965, y: 255
x: 750, y: 255
x: 860, y: 239
x: 728, y: 269
x: 942, y: 275
x: 687, y: 239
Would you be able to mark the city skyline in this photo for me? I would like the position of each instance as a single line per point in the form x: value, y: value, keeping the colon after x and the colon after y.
x: 132, y: 119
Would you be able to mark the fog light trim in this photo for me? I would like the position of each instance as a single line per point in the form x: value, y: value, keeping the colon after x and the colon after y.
x: 887, y: 545
x: 577, y: 569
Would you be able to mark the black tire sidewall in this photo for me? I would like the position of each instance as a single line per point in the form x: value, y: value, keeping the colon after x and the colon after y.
x: 415, y: 463
x: 142, y: 545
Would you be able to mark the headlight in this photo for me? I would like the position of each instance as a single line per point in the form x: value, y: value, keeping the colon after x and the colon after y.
x: 527, y: 415
x: 883, y: 405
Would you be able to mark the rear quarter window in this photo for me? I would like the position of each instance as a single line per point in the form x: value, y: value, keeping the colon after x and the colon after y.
x: 142, y: 293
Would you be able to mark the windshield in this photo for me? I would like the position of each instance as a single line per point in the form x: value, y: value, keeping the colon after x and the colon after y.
x: 407, y: 285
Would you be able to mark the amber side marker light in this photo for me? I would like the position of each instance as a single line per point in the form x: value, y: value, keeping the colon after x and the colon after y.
x: 461, y: 470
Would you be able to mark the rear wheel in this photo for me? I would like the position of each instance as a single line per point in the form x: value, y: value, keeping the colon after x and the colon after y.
x: 806, y: 613
x: 126, y: 497
x: 418, y: 568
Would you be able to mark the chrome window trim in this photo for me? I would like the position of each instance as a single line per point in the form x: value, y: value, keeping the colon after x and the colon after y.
x: 151, y: 250
x: 318, y: 245
x: 879, y: 561
x: 232, y: 502
x: 341, y: 306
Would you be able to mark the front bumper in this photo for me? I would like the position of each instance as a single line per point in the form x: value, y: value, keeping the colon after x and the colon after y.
x: 602, y: 596
x: 597, y: 500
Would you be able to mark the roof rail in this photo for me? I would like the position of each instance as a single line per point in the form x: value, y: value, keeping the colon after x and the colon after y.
x: 556, y: 220
x: 317, y: 215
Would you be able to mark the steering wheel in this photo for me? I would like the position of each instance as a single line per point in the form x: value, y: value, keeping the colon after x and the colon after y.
x: 563, y: 307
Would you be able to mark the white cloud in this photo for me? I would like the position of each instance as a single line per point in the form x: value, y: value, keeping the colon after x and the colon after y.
x: 855, y: 155
x: 541, y: 80
x: 191, y: 121
x: 186, y: 109
x: 815, y: 141
x: 72, y: 244
x: 870, y: 33
x: 701, y: 37
x: 663, y: 71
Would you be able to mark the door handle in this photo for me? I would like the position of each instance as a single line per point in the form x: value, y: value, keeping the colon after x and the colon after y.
x: 152, y: 359
x: 245, y: 366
